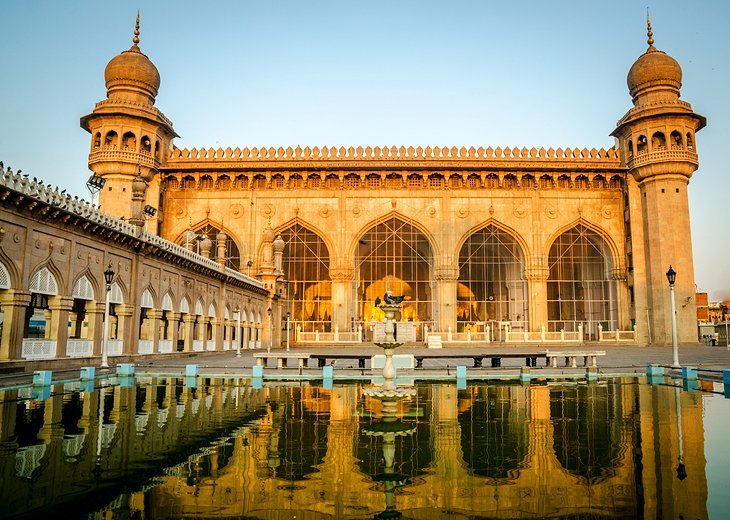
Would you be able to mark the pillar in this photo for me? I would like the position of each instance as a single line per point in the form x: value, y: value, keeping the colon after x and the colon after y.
x: 342, y: 297
x: 15, y: 306
x: 173, y: 319
x: 153, y: 327
x: 95, y: 313
x: 58, y: 330
x: 188, y: 330
x: 537, y: 276
x: 125, y: 332
x: 446, y: 277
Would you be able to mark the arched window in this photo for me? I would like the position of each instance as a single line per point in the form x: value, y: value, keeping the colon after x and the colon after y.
x: 314, y: 181
x: 188, y: 182
x: 111, y: 140
x: 296, y: 181
x: 492, y: 181
x: 277, y: 181
x: 97, y: 141
x: 492, y: 285
x: 675, y: 138
x: 145, y: 145
x: 455, y: 181
x: 372, y: 180
x: 206, y: 182
x: 171, y: 183
x: 157, y: 149
x: 395, y: 256
x: 528, y: 181
x: 630, y: 148
x: 129, y: 141
x: 581, y: 182
x: 241, y: 182
x: 546, y: 182
x: 352, y: 180
x: 564, y: 181
x: 690, y: 141
x: 259, y: 181
x: 435, y: 180
x: 332, y: 182
x: 510, y: 181
x: 233, y: 255
x: 641, y: 144
x: 474, y: 181
x: 309, y: 288
x: 224, y: 182
x: 393, y: 180
x: 414, y: 180
x: 615, y: 182
x: 579, y: 289
x: 599, y: 182
x: 658, y: 141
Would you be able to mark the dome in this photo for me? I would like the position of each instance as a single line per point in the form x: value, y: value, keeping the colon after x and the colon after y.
x: 654, y: 68
x: 132, y: 69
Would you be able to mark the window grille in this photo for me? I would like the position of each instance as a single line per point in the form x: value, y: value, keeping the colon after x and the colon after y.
x: 43, y: 282
x: 83, y: 289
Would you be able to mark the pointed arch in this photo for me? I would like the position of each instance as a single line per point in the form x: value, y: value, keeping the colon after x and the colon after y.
x: 212, y: 311
x: 44, y: 281
x: 227, y: 313
x: 352, y: 248
x: 499, y: 225
x: 582, y: 221
x: 5, y: 281
x: 306, y: 266
x: 147, y: 300
x: 13, y: 276
x: 244, y: 316
x: 199, y: 306
x: 116, y: 294
x: 394, y: 254
x: 492, y: 284
x: 211, y: 228
x: 308, y: 226
x: 185, y: 305
x: 83, y: 288
x: 166, y: 304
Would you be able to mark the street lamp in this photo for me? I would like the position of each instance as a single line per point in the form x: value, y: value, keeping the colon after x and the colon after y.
x: 94, y: 185
x: 724, y: 318
x: 672, y: 276
x: 108, y: 278
x: 288, y: 316
x: 271, y: 333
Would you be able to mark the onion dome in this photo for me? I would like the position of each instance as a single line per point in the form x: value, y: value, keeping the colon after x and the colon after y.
x: 132, y: 71
x: 654, y: 68
x: 268, y: 236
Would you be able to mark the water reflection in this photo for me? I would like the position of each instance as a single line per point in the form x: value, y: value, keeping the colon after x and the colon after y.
x: 220, y: 448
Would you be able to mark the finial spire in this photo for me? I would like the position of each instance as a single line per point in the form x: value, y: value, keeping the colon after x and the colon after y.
x: 135, y: 40
x: 649, y: 34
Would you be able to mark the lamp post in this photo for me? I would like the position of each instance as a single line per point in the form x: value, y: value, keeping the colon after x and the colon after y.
x: 288, y: 315
x: 108, y: 278
x: 238, y: 332
x: 671, y: 277
x: 268, y: 311
x: 724, y: 318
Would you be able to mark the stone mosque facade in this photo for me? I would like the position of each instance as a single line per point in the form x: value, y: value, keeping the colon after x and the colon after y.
x: 505, y: 240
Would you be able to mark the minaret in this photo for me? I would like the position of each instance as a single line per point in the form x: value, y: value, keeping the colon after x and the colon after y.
x: 128, y: 133
x: 656, y: 139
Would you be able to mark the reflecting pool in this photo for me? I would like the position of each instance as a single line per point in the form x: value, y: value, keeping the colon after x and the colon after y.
x: 175, y: 448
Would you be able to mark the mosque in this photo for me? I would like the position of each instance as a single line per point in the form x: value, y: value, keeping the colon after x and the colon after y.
x: 498, y: 240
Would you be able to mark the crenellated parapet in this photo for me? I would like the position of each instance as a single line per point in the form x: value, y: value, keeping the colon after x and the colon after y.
x: 378, y: 153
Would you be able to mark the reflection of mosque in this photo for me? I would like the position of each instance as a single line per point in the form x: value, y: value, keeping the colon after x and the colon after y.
x: 495, y: 451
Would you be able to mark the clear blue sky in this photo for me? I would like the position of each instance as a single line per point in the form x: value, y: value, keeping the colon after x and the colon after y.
x: 370, y: 73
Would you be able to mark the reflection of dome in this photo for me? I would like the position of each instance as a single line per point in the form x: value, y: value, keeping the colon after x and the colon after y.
x: 654, y: 68
x: 132, y: 70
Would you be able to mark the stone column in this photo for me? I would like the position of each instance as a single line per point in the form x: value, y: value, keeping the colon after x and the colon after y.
x: 153, y: 331
x: 220, y: 239
x: 173, y: 318
x: 202, y: 329
x: 95, y: 312
x: 125, y: 332
x: 215, y: 326
x: 58, y: 330
x: 446, y: 277
x: 537, y: 276
x: 15, y: 306
x: 342, y: 297
x: 188, y: 329
x: 621, y: 288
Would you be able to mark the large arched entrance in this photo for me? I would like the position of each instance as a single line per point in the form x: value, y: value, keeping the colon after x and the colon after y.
x: 394, y: 256
x: 492, y: 286
x: 306, y: 268
x: 579, y: 288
